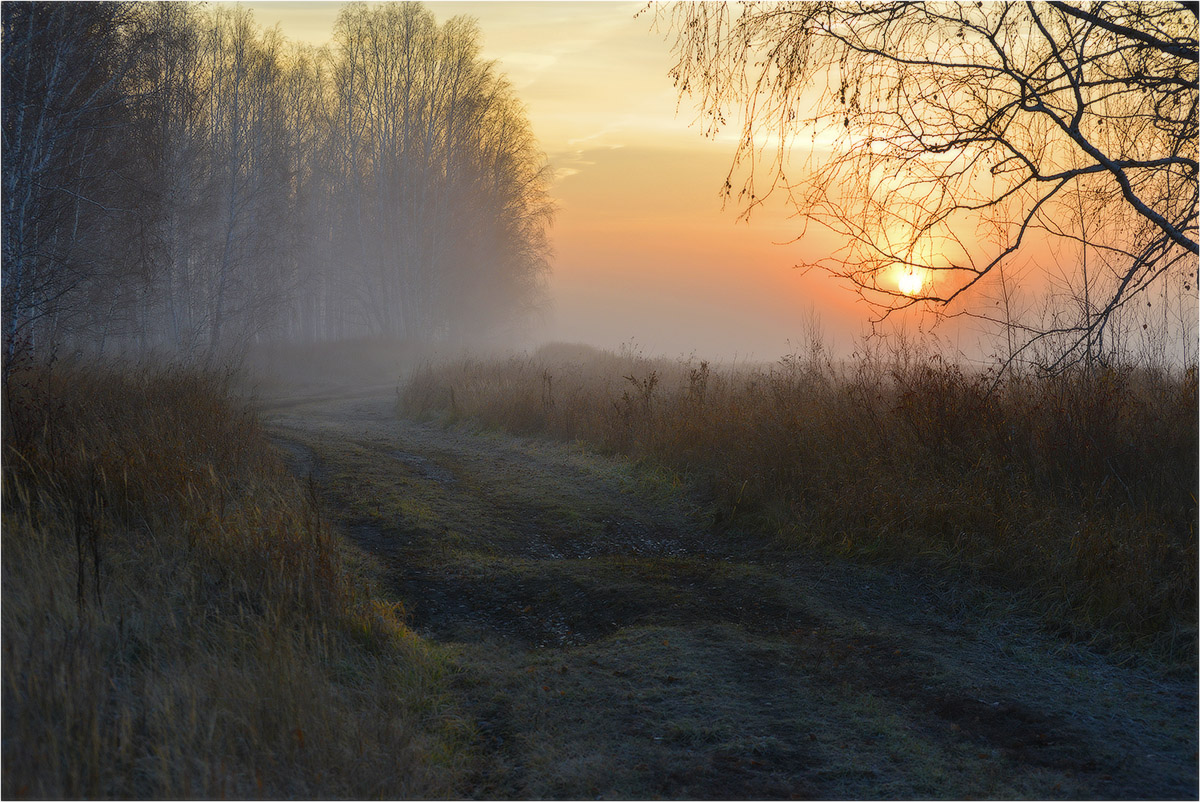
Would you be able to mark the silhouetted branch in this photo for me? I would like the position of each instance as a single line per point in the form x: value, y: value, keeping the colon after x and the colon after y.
x: 953, y: 137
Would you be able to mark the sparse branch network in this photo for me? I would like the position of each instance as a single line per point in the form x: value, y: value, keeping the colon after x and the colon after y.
x: 954, y: 137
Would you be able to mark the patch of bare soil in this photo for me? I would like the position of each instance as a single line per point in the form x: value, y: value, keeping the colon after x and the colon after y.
x: 612, y: 644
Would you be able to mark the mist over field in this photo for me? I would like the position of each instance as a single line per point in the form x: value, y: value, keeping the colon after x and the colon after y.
x: 600, y: 400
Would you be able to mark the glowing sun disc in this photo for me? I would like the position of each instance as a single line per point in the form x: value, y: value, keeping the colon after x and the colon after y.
x: 910, y: 283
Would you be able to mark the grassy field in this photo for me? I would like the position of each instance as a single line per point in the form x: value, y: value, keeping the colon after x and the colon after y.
x: 184, y: 618
x: 613, y: 640
x: 179, y: 619
x: 1074, y: 493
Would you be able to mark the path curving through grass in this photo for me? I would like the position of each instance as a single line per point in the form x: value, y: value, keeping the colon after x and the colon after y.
x: 612, y: 642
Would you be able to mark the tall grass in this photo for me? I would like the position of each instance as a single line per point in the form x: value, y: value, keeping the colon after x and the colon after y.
x: 178, y: 620
x: 1075, y: 490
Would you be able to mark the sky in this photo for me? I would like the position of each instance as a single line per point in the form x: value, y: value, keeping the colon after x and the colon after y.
x: 645, y: 254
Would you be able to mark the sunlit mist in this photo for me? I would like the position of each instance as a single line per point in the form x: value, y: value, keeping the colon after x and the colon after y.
x: 645, y: 248
x: 910, y: 281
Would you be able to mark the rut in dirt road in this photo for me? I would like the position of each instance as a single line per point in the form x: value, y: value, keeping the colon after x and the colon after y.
x: 611, y: 643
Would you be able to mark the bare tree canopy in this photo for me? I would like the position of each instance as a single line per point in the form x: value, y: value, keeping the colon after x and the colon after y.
x: 951, y: 139
x: 181, y: 180
x: 61, y: 75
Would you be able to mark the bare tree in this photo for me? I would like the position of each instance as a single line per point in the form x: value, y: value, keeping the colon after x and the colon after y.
x: 180, y: 180
x: 950, y: 137
x: 62, y: 72
x: 172, y: 175
x: 242, y: 99
x: 442, y: 188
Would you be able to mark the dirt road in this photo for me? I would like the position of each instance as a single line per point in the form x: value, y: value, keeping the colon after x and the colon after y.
x: 612, y: 642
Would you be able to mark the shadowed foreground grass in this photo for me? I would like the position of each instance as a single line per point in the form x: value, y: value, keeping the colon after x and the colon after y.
x: 1075, y: 492
x: 179, y: 621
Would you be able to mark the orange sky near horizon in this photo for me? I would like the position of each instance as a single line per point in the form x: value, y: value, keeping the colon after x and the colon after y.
x: 644, y: 251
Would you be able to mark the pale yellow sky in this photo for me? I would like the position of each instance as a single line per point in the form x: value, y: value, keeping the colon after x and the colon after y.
x: 644, y: 250
x: 590, y: 73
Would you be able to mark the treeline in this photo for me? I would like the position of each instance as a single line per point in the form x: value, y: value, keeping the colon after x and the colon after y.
x: 181, y: 180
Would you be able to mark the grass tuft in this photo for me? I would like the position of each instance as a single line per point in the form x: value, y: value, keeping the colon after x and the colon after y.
x: 178, y: 619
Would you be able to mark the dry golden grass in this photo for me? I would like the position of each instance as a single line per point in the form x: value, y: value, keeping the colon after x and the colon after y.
x: 1074, y: 491
x: 178, y: 620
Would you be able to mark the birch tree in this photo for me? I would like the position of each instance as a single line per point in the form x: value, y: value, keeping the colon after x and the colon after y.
x: 178, y: 179
x: 955, y: 138
x: 427, y: 137
x: 62, y: 72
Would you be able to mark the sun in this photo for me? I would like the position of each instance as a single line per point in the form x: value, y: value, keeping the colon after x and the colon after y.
x: 910, y: 281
